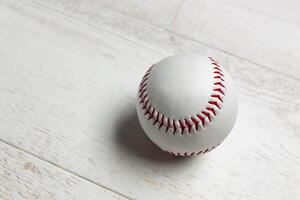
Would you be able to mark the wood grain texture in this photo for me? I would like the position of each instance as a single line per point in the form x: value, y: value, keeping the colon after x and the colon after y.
x: 68, y: 79
x: 25, y: 177
x: 256, y: 46
x: 263, y: 32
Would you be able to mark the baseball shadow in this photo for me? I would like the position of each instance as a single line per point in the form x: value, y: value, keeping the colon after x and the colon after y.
x: 131, y: 139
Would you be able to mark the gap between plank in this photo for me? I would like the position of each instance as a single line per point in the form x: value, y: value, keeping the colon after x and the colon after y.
x: 64, y: 169
x: 36, y: 5
x: 202, y: 43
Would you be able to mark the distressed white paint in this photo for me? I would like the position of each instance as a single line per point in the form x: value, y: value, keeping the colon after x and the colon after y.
x: 25, y: 177
x: 264, y: 32
x: 68, y: 79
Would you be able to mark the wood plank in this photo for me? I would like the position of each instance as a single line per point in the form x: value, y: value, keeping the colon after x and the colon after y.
x: 67, y: 95
x: 285, y: 11
x: 263, y: 32
x: 23, y: 176
x: 147, y: 10
x: 275, y: 51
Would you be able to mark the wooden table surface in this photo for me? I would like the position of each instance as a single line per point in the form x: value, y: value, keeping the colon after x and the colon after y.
x: 69, y: 72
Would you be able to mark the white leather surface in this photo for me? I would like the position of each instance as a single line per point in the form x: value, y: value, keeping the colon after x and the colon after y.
x: 180, y: 87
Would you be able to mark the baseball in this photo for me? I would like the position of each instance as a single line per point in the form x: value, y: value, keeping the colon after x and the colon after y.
x: 187, y: 104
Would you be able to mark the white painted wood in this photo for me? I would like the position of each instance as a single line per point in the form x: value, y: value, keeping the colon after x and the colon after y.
x: 263, y: 32
x: 25, y: 177
x: 68, y: 79
x: 285, y: 11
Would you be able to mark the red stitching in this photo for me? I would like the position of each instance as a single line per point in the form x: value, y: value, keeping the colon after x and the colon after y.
x: 219, y: 90
x: 217, y: 96
x: 212, y: 110
x: 174, y: 126
x: 189, y: 125
x: 200, y: 119
x: 220, y: 84
x: 215, y: 104
x: 219, y: 77
x: 195, y: 122
x: 194, y: 153
x: 215, y: 63
x: 207, y: 114
x: 218, y: 72
x: 218, y: 67
x: 182, y: 125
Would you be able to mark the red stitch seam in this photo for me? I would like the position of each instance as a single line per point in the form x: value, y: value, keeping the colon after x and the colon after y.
x: 193, y: 153
x: 201, y: 119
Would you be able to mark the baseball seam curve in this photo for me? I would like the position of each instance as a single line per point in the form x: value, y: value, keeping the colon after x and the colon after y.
x: 198, y: 121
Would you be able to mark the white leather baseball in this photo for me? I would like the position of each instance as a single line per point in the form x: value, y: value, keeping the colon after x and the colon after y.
x: 187, y: 104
